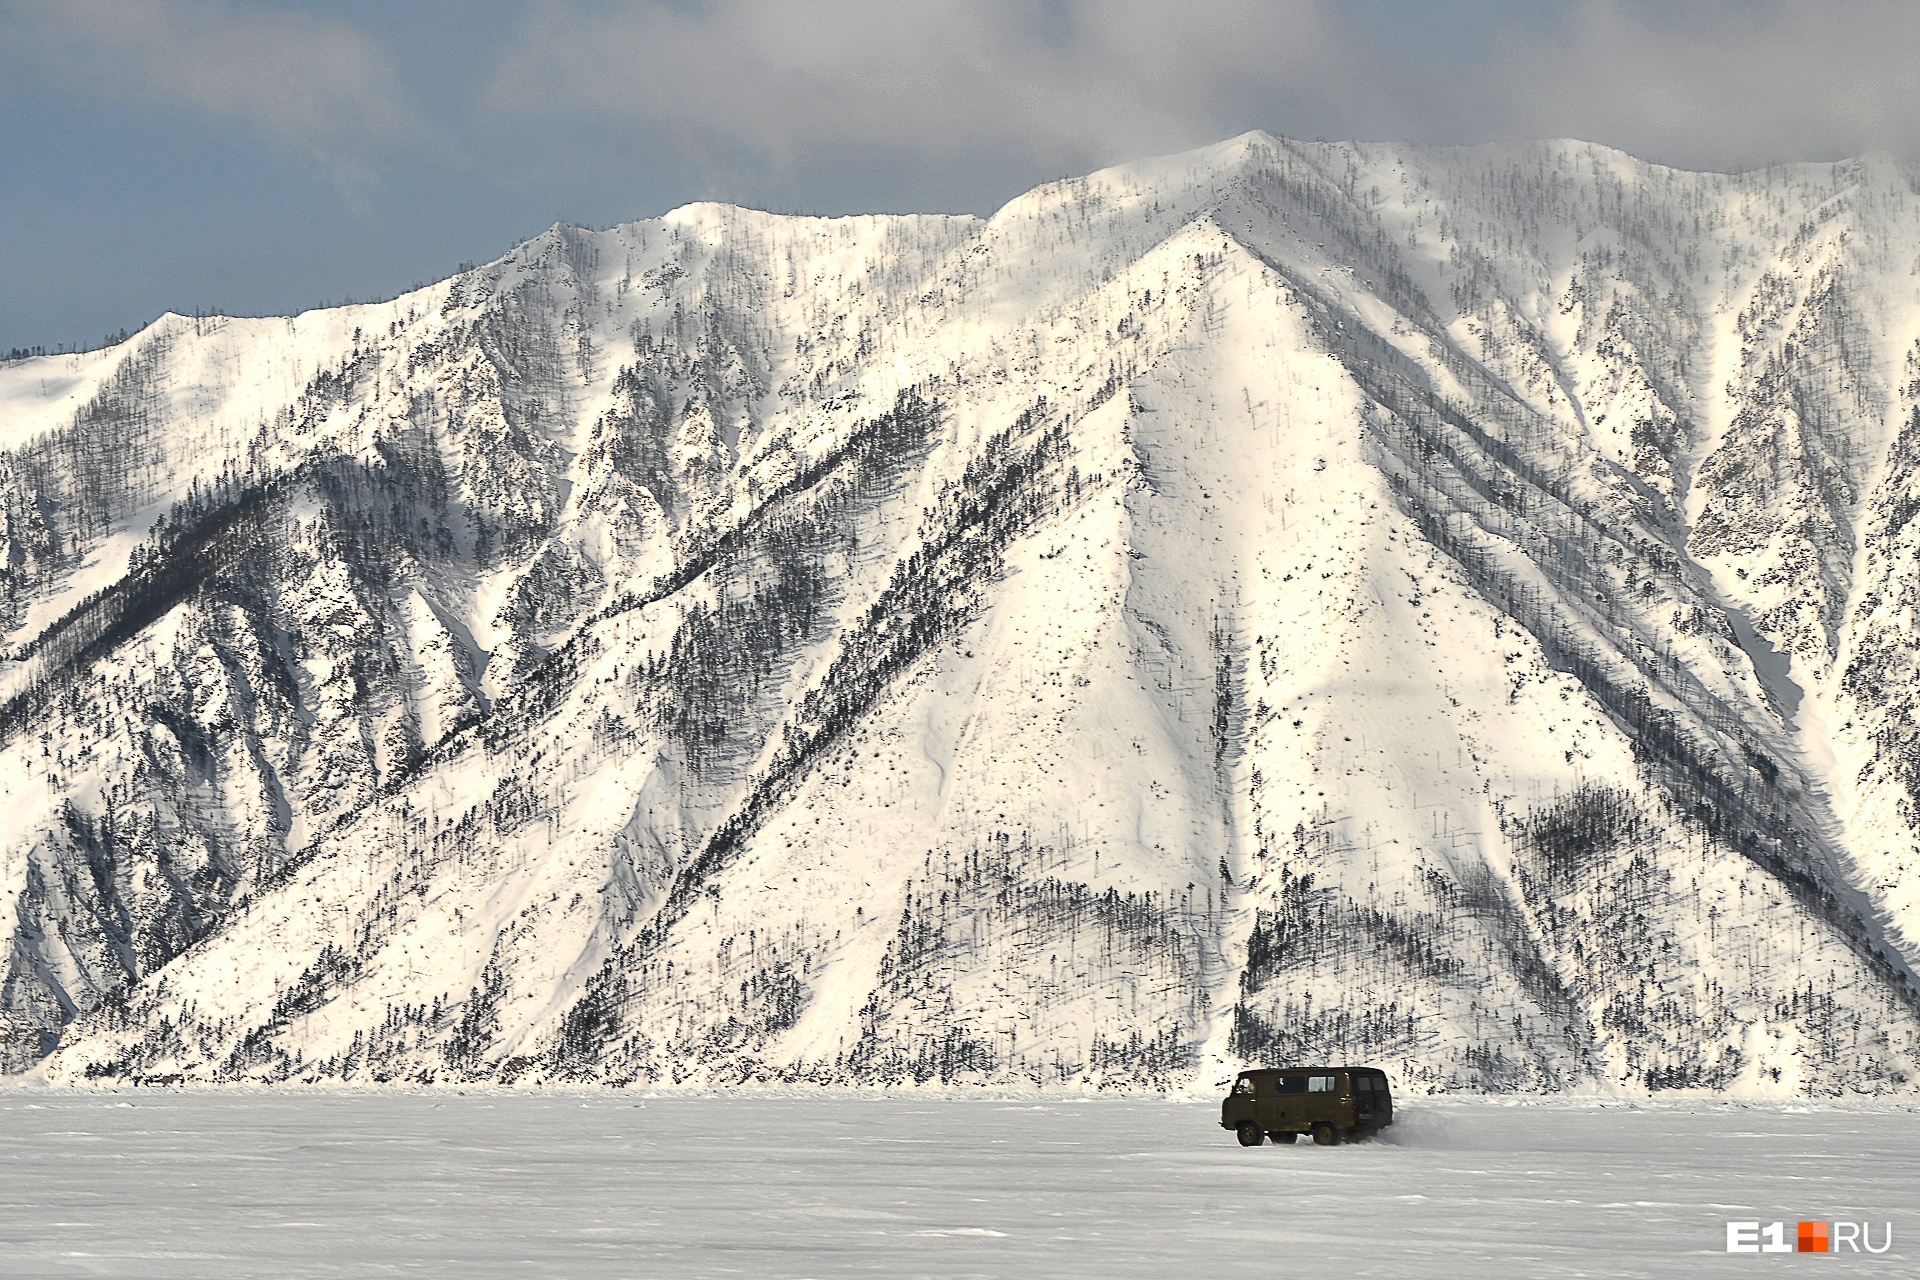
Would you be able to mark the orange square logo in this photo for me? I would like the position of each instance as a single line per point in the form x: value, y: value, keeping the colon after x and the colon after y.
x: 1813, y: 1237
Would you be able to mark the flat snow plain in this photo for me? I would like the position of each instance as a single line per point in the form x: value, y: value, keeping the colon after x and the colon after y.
x: 217, y: 1183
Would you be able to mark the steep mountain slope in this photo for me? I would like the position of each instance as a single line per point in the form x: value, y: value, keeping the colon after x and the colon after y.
x: 1449, y: 609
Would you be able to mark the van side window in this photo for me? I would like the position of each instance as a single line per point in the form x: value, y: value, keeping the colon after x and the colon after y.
x: 1290, y: 1084
x: 1243, y: 1085
x: 1319, y: 1084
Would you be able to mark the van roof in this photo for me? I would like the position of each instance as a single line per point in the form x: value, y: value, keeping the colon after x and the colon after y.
x: 1307, y: 1071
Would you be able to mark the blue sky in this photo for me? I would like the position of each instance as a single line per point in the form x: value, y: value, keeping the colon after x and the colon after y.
x: 263, y: 157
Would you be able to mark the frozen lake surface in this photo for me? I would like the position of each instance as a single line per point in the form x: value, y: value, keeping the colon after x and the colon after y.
x: 172, y: 1183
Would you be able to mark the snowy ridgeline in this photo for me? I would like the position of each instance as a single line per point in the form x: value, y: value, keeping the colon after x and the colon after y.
x: 1451, y: 610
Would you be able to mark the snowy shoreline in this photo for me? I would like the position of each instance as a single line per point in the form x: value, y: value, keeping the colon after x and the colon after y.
x: 1586, y: 1097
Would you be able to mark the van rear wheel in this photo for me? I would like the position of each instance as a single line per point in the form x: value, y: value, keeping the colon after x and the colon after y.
x: 1324, y: 1136
x: 1285, y: 1137
x: 1250, y: 1134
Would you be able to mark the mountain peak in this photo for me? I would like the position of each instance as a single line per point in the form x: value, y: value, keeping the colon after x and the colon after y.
x: 1281, y: 601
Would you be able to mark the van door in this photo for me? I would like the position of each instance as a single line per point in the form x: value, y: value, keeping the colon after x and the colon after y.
x: 1382, y: 1101
x: 1323, y: 1098
x: 1279, y: 1107
x: 1373, y: 1103
x: 1238, y: 1107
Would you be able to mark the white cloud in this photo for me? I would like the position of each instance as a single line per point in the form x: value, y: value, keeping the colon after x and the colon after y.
x: 1717, y: 82
x: 316, y: 88
x: 778, y: 84
x: 963, y: 102
x: 773, y: 80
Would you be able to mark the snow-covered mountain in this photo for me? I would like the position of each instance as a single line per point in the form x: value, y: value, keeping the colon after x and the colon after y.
x: 1447, y: 609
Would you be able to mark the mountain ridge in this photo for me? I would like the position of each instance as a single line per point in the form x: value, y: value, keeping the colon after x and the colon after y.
x: 934, y: 648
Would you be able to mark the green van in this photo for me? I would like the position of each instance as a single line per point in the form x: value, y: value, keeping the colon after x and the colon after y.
x: 1330, y: 1103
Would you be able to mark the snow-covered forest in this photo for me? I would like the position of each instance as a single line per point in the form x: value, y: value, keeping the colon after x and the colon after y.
x: 1447, y: 609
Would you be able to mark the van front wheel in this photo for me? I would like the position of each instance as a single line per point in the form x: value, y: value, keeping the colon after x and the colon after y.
x: 1250, y: 1135
x: 1324, y: 1136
